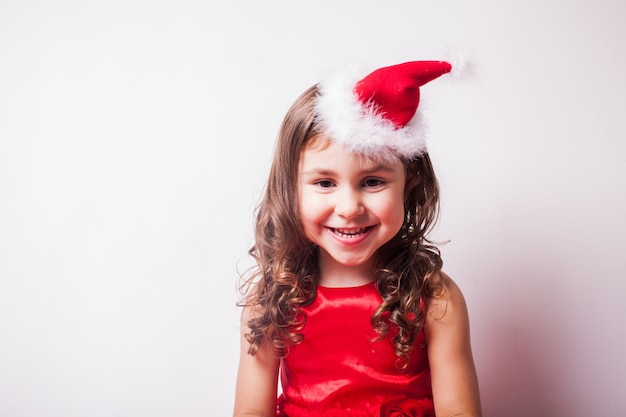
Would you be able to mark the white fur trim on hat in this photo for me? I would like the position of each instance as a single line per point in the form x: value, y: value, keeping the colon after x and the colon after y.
x: 361, y: 128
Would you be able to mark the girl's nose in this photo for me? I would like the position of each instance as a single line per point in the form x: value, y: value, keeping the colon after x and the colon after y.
x: 349, y: 204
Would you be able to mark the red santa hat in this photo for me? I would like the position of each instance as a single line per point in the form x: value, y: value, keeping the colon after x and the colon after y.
x: 378, y: 115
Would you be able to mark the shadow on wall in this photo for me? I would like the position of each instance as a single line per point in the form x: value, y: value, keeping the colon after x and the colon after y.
x: 525, y: 365
x: 512, y: 383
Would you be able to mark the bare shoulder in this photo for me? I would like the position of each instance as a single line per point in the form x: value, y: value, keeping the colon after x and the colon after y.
x: 449, y: 302
x: 453, y: 375
x: 257, y: 377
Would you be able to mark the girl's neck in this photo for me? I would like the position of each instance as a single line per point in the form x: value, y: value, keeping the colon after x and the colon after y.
x: 335, y: 274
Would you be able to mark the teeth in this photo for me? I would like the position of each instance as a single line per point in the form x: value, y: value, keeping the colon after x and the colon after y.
x: 350, y: 232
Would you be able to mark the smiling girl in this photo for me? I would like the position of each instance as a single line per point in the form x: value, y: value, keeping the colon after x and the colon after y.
x: 348, y: 304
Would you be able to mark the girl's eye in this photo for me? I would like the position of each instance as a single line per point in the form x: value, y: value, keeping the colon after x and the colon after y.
x: 373, y: 182
x: 325, y: 183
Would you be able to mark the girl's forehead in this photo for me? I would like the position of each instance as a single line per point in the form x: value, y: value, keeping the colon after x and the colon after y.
x: 323, y: 150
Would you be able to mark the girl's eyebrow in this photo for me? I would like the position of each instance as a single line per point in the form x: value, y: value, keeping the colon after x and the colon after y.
x: 318, y: 171
x: 330, y: 172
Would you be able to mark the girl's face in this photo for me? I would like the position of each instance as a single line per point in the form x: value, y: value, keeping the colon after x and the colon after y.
x: 350, y: 206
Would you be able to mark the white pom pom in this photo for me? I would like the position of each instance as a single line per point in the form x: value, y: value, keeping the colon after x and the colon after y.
x: 463, y: 67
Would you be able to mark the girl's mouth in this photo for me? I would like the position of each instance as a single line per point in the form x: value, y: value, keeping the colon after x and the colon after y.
x: 348, y: 233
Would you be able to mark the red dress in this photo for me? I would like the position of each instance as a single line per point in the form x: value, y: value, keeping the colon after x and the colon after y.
x: 338, y: 371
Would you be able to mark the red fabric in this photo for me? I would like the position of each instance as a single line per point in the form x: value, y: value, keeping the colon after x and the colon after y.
x: 337, y: 370
x: 395, y: 89
x: 407, y: 407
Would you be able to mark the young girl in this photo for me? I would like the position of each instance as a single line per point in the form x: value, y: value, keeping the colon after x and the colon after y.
x: 349, y: 304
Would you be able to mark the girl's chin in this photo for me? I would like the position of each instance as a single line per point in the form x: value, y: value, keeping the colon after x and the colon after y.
x: 338, y: 261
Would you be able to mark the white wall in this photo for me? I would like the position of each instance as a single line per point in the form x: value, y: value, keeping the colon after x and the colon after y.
x: 135, y: 137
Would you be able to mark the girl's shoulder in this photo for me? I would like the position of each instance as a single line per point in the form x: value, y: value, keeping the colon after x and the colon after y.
x: 448, y: 300
x: 453, y: 374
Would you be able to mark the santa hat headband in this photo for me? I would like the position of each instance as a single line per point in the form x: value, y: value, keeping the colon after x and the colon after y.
x: 378, y: 115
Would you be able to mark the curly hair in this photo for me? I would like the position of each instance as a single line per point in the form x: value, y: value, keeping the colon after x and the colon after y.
x: 286, y: 273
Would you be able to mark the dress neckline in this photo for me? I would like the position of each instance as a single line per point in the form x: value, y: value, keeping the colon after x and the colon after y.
x: 354, y: 287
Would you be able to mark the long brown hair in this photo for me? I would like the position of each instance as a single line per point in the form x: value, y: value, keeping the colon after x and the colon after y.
x: 286, y: 273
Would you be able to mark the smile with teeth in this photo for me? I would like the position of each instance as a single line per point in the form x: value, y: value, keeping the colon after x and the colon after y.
x: 351, y: 232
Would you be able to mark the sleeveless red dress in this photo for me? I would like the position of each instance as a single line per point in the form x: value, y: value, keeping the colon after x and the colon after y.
x: 338, y: 371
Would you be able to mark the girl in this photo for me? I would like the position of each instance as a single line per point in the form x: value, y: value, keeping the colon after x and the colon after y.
x: 349, y: 304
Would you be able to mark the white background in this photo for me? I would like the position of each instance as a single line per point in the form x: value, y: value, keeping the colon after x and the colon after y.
x: 135, y: 137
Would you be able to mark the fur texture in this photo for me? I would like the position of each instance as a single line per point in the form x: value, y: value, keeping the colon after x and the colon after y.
x: 362, y: 128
